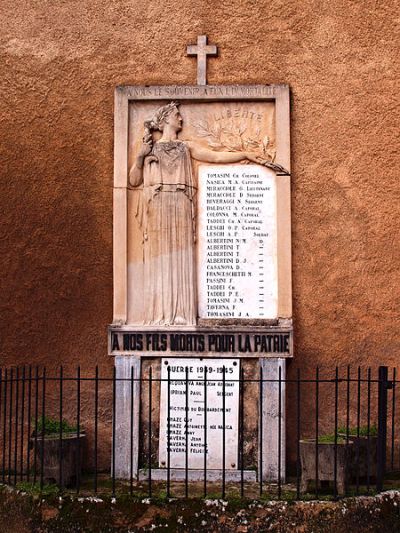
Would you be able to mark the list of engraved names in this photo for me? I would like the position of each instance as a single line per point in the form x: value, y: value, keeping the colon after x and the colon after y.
x: 237, y: 242
x: 199, y: 404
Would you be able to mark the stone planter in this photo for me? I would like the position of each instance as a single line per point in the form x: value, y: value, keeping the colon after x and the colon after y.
x: 360, y: 451
x: 326, y: 463
x: 72, y: 445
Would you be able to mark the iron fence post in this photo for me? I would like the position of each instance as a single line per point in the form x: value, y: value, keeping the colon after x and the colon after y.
x: 383, y: 386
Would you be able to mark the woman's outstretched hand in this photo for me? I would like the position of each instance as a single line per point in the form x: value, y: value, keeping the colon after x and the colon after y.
x: 255, y: 158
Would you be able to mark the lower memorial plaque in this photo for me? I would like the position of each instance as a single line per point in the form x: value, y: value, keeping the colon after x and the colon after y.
x: 197, y: 418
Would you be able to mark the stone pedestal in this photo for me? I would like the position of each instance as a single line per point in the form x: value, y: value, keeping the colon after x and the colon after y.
x: 272, y: 420
x: 272, y: 430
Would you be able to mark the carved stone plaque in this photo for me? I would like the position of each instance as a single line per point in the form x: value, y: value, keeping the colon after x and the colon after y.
x: 202, y: 208
x: 201, y: 415
x: 237, y: 242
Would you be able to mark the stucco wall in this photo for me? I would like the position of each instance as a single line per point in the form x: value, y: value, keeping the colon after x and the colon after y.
x: 59, y: 64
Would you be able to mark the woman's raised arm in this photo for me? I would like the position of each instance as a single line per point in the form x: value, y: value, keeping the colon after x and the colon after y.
x: 136, y: 172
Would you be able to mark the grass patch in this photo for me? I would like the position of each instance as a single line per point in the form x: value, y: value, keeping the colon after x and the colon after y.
x: 34, y: 489
x: 363, y: 431
x: 330, y: 439
x: 342, y: 434
x: 52, y: 426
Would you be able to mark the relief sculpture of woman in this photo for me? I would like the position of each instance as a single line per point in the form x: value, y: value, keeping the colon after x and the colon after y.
x: 167, y: 216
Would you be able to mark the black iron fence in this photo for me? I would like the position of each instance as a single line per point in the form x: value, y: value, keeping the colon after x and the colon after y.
x: 330, y: 433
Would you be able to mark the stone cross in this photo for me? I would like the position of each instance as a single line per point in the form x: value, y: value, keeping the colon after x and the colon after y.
x: 202, y: 50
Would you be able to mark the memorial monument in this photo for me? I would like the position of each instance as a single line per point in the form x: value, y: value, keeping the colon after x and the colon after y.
x: 202, y: 261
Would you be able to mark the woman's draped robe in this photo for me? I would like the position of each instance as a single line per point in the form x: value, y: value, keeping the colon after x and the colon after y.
x: 167, y: 218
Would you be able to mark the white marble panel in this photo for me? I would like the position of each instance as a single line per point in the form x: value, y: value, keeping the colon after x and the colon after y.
x: 196, y: 413
x: 237, y: 242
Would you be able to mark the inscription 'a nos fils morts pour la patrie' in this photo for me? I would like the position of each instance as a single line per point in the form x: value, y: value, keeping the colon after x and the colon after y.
x: 200, y: 410
x: 237, y: 242
x: 277, y: 342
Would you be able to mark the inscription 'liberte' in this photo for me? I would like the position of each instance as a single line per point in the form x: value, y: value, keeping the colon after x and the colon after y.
x: 237, y: 242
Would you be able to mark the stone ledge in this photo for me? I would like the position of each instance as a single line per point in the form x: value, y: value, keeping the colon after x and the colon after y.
x: 179, y: 474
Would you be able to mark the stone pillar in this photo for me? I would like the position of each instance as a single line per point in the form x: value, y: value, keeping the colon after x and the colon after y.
x: 123, y: 366
x: 269, y: 419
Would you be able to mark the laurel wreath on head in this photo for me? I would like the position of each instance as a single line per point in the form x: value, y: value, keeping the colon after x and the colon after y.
x: 160, y: 115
